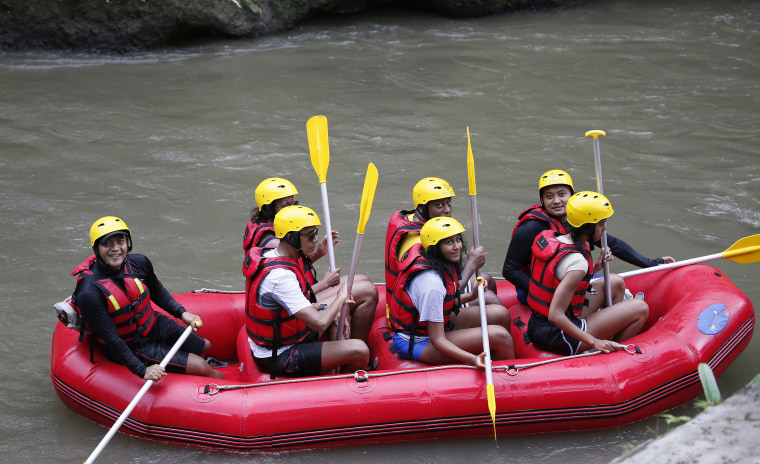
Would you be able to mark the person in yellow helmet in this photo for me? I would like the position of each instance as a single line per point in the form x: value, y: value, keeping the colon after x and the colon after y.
x: 431, y: 197
x: 555, y: 187
x: 286, y: 321
x: 114, y: 295
x: 425, y: 315
x: 274, y: 194
x: 564, y: 302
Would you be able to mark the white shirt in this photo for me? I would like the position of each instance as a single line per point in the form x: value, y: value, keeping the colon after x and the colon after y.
x: 278, y: 289
x: 569, y: 262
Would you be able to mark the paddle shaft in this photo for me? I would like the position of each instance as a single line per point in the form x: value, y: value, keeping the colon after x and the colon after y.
x: 349, y: 284
x: 600, y: 188
x: 328, y: 227
x: 663, y: 267
x: 148, y: 383
x: 482, y: 303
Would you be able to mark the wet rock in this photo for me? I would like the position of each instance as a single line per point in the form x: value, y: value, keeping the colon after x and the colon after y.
x: 726, y: 433
x: 129, y: 25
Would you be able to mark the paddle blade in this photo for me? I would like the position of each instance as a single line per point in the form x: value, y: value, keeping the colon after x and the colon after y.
x: 492, y: 406
x: 470, y: 166
x: 368, y: 196
x: 745, y: 250
x: 319, y: 146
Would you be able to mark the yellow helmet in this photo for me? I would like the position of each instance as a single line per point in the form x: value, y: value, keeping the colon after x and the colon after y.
x: 294, y: 218
x: 273, y: 189
x: 554, y: 177
x: 587, y: 208
x: 429, y: 189
x: 107, y: 226
x: 439, y: 228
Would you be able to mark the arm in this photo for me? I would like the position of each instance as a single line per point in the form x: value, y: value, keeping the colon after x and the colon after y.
x: 626, y: 252
x: 158, y: 293
x: 518, y: 254
x: 320, y: 321
x: 476, y: 259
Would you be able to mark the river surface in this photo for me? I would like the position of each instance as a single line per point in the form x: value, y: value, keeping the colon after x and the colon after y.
x: 175, y: 140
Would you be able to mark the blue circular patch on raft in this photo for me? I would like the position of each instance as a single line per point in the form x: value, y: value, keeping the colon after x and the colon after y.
x: 712, y: 319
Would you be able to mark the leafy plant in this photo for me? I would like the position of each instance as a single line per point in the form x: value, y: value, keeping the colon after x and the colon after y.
x: 709, y: 385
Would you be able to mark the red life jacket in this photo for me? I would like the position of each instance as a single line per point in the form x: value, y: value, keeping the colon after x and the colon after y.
x: 547, y: 252
x: 131, y: 311
x: 404, y: 317
x: 253, y: 234
x: 398, y: 226
x: 538, y: 213
x: 267, y: 327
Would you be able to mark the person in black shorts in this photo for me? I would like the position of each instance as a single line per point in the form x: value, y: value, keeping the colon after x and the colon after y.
x: 285, y: 319
x: 114, y: 293
x: 567, y: 314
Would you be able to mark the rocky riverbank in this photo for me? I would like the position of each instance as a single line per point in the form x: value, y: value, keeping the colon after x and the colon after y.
x: 131, y: 25
x: 726, y: 433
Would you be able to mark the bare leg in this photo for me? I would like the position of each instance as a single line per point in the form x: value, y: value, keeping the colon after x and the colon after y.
x: 198, y: 366
x: 351, y: 354
x: 619, y: 322
x: 471, y: 340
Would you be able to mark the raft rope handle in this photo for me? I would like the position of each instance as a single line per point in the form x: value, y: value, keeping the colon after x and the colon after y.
x: 364, y: 376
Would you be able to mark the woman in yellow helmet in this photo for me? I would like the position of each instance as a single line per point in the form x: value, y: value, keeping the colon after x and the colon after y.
x: 566, y: 318
x: 115, y: 294
x: 425, y: 314
x: 554, y: 189
x: 432, y: 198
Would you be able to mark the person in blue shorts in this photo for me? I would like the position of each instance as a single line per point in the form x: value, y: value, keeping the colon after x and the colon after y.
x: 425, y: 314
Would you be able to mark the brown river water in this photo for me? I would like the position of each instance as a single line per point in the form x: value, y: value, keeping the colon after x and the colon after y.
x: 175, y: 140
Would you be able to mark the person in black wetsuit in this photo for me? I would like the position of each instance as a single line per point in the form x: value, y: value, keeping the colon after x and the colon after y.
x: 554, y: 189
x: 115, y: 292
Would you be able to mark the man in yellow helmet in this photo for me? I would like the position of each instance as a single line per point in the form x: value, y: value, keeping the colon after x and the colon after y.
x: 274, y: 194
x: 431, y: 197
x: 555, y: 187
x: 285, y: 319
x: 114, y: 294
x: 564, y: 303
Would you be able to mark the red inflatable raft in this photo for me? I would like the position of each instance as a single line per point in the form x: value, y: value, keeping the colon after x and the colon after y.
x: 696, y: 315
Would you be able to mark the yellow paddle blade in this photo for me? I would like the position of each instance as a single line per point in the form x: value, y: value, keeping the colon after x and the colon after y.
x: 492, y: 406
x: 745, y: 250
x: 470, y: 166
x: 319, y: 145
x: 368, y: 195
x: 595, y: 133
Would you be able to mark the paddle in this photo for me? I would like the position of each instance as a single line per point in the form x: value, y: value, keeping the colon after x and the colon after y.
x: 600, y: 188
x: 368, y: 195
x: 744, y: 251
x: 137, y: 397
x: 481, y: 285
x: 319, y: 146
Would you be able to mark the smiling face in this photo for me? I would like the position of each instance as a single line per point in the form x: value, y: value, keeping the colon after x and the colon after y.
x: 113, y: 251
x: 451, y: 248
x: 438, y: 208
x: 555, y: 198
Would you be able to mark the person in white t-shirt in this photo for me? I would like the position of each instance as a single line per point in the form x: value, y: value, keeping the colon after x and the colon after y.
x: 285, y: 321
